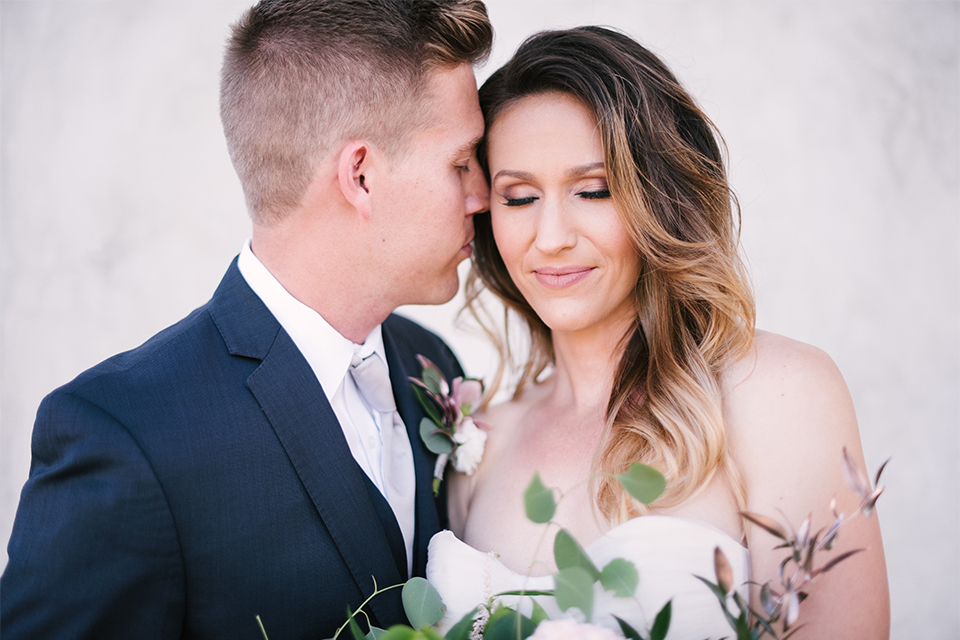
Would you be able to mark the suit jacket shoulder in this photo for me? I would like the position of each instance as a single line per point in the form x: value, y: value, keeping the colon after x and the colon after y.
x: 183, y: 487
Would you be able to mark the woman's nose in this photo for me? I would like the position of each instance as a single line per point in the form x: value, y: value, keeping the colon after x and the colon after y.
x: 555, y: 231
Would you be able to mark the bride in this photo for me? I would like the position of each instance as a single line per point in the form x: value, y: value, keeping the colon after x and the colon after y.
x: 612, y: 235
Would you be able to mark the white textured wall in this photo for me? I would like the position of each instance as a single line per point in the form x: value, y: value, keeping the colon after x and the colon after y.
x: 119, y: 210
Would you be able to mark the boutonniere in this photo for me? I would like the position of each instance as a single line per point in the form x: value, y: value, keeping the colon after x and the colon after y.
x: 449, y: 430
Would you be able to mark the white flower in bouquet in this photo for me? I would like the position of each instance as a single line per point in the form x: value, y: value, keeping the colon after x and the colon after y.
x: 471, y: 441
x: 566, y: 629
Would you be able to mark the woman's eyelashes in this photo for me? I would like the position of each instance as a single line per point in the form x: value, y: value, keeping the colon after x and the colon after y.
x: 595, y: 194
x: 588, y: 193
x: 519, y: 202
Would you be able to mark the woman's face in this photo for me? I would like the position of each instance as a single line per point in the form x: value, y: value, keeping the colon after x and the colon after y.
x: 553, y: 219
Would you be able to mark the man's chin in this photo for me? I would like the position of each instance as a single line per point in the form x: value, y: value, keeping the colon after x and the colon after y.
x: 440, y: 293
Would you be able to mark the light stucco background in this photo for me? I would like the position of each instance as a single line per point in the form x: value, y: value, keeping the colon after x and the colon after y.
x: 119, y: 210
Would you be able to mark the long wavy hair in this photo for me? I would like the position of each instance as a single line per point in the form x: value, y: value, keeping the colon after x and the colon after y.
x: 694, y: 304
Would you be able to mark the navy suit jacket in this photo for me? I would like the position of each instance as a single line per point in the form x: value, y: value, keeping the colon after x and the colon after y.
x: 180, y: 489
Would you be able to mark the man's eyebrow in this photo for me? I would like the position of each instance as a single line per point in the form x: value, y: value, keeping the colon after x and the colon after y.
x: 469, y: 148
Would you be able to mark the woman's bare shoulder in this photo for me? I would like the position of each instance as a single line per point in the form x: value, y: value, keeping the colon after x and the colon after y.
x: 788, y: 412
x: 789, y: 417
x: 782, y: 378
x: 775, y: 361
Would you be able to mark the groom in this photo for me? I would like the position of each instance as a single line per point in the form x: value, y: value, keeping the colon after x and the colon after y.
x: 241, y: 463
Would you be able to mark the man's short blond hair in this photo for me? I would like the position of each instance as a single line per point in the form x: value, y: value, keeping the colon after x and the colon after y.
x: 302, y: 76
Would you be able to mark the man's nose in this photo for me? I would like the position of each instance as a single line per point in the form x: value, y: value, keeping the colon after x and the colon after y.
x: 477, y: 191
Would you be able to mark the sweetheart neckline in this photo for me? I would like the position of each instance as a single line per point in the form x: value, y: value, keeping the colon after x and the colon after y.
x: 613, y: 533
x: 675, y: 519
x: 668, y: 552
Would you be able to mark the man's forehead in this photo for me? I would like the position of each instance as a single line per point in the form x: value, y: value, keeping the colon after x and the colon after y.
x: 451, y: 109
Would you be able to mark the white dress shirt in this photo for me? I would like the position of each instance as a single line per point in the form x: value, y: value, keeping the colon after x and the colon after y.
x: 329, y: 355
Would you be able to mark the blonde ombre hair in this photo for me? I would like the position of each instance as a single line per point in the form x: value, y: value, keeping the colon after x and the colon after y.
x: 694, y: 305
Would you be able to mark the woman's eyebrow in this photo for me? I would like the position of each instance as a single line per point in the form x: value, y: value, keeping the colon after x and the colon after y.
x: 585, y: 169
x: 509, y: 173
x: 574, y: 172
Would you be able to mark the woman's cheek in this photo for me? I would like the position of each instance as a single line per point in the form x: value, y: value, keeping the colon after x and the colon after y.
x: 502, y: 234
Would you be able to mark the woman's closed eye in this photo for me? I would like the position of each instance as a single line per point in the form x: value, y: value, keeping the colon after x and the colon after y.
x: 519, y: 202
x: 595, y: 194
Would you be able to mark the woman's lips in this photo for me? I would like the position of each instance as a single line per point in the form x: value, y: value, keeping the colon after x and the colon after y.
x: 560, y: 277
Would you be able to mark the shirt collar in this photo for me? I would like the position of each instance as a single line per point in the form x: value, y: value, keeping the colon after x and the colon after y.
x: 327, y: 352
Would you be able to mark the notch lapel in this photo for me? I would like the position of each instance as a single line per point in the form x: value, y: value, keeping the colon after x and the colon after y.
x: 303, y: 420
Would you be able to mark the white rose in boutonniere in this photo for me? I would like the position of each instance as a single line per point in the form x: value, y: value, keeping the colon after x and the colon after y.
x: 448, y: 430
x: 470, y: 443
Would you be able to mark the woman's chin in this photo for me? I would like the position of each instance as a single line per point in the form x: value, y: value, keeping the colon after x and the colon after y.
x: 584, y: 318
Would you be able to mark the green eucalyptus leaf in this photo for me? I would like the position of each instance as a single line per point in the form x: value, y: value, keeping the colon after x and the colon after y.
x: 621, y: 577
x: 628, y: 632
x: 567, y: 552
x: 461, y: 630
x: 399, y: 632
x: 433, y: 380
x: 354, y: 627
x: 498, y: 613
x: 740, y: 602
x: 505, y: 626
x: 428, y: 405
x: 574, y: 588
x: 538, y: 501
x: 743, y: 628
x: 661, y: 624
x: 421, y: 603
x: 375, y: 633
x: 538, y: 615
x: 644, y: 483
x: 436, y: 441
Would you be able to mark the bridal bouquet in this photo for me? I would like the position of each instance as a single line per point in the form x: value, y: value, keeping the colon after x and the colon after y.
x: 575, y: 580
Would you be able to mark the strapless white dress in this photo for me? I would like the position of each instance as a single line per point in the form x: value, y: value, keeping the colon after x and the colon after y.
x: 667, y: 551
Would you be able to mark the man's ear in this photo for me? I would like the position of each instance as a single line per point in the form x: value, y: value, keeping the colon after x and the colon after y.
x: 352, y: 170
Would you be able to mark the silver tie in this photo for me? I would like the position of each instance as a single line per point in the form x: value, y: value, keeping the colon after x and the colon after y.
x: 373, y: 382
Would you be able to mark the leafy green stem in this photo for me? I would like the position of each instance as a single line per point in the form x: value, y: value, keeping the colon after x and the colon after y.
x: 376, y: 591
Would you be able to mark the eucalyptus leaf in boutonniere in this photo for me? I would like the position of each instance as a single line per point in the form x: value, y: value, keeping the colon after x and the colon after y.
x: 449, y: 430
